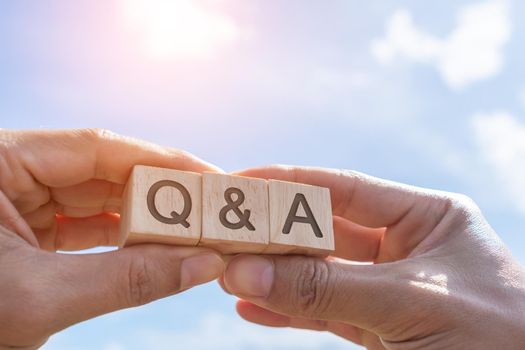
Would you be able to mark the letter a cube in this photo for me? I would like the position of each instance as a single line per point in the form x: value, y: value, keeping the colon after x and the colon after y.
x: 300, y: 219
x: 161, y: 206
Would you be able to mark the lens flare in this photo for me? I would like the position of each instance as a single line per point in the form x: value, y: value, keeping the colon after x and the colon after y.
x: 178, y: 28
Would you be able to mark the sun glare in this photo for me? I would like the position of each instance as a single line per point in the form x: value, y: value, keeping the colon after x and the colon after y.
x: 179, y: 28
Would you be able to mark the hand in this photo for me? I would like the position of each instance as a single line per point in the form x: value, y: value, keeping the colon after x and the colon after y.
x: 60, y: 190
x: 440, y: 278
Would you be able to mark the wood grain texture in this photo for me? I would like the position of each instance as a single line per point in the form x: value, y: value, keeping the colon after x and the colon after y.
x: 301, y: 237
x: 138, y: 221
x: 216, y: 200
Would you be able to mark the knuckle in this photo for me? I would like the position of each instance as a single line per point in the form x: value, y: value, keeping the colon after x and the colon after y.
x: 313, y: 293
x: 99, y: 140
x: 10, y: 170
x: 465, y: 203
x: 460, y: 207
x: 139, y: 281
x: 4, y: 151
x: 98, y: 134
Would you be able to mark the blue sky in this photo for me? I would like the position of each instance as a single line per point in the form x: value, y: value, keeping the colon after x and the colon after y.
x: 428, y: 94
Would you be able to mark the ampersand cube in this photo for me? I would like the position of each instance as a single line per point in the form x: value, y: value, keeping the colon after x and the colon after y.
x: 234, y: 213
x: 161, y: 206
x: 300, y: 219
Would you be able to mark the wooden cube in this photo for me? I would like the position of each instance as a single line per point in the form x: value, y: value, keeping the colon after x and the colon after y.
x: 161, y: 206
x: 300, y: 219
x: 234, y: 213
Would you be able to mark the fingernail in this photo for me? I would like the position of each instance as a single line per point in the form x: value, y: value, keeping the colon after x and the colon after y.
x: 250, y: 276
x: 200, y: 269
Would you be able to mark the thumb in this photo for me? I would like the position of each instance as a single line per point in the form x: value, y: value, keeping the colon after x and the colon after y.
x: 95, y: 284
x: 363, y: 295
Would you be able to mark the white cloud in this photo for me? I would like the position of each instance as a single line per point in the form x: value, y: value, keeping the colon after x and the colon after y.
x: 220, y: 332
x: 473, y: 51
x: 212, y: 331
x: 501, y: 141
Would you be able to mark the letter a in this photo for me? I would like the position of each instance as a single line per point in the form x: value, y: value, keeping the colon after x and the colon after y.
x: 308, y: 219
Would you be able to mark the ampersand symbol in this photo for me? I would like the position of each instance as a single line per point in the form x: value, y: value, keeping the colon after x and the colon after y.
x: 176, y: 218
x: 244, y: 216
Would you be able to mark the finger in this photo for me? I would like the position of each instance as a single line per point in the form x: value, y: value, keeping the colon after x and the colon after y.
x: 95, y: 284
x: 220, y: 280
x: 357, y: 197
x: 372, y: 341
x: 90, y: 194
x: 17, y: 184
x: 43, y: 217
x: 84, y: 212
x: 355, y: 242
x: 70, y: 234
x: 12, y: 221
x: 28, y: 199
x: 256, y: 314
x: 60, y: 158
x: 362, y: 295
x: 409, y: 213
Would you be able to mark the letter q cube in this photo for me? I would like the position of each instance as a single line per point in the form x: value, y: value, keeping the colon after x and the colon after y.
x: 161, y: 206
